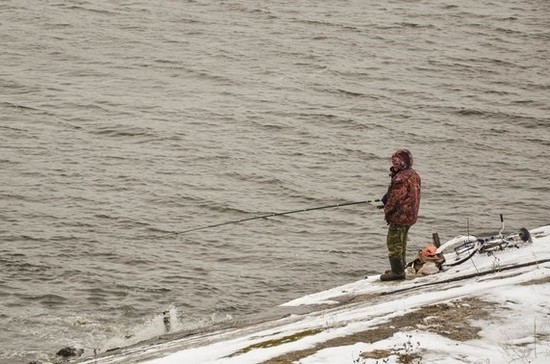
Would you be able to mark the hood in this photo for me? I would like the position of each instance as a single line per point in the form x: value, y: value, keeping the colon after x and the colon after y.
x: 405, y: 156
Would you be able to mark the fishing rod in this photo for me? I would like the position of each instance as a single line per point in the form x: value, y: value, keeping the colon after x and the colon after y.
x: 277, y: 214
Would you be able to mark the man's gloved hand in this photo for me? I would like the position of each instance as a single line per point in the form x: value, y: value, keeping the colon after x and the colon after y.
x: 383, y: 199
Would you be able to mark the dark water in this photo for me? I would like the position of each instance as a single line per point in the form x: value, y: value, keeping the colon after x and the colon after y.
x: 124, y: 121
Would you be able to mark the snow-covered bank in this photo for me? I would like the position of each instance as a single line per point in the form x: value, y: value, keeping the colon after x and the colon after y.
x: 500, y: 313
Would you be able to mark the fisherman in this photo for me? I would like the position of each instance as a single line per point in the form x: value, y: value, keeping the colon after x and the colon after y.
x: 400, y: 204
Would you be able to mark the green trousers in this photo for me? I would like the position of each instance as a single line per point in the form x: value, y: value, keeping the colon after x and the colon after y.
x: 397, y: 241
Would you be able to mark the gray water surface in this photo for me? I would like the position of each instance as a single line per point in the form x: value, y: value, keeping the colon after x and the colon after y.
x: 123, y: 122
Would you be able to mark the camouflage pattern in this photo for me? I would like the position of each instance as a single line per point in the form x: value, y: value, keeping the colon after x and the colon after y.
x: 403, y: 197
x: 397, y: 242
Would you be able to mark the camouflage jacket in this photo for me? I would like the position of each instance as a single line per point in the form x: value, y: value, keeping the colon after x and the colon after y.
x: 403, y: 198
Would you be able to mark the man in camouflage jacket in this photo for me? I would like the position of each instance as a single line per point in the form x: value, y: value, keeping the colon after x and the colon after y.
x: 401, y: 204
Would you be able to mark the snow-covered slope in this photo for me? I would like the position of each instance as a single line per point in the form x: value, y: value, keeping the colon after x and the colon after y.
x: 489, y: 309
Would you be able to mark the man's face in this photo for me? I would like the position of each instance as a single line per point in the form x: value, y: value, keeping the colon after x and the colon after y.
x: 397, y: 163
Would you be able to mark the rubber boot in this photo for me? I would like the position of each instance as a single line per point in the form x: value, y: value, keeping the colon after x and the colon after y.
x: 404, y: 260
x: 397, y: 272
